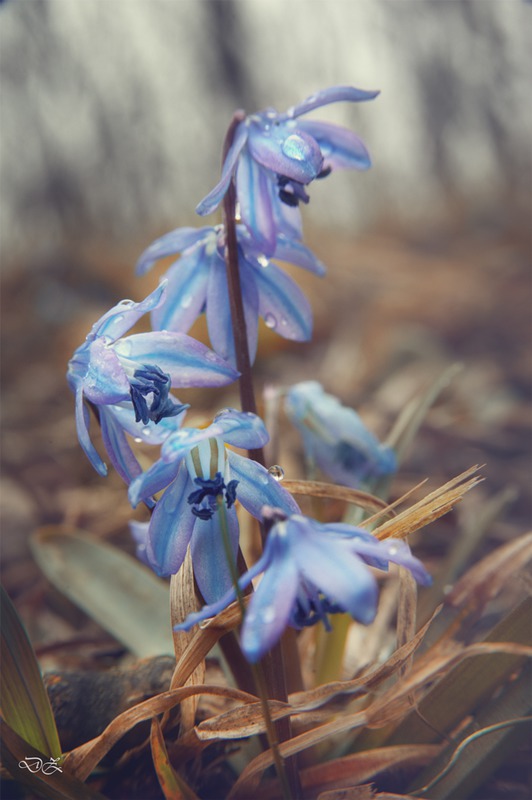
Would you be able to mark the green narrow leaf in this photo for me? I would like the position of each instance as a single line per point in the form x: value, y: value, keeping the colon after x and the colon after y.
x: 116, y: 590
x: 23, y: 698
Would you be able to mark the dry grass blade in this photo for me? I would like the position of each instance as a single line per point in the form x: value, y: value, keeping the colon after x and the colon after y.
x: 485, y: 580
x: 406, y: 612
x: 204, y: 640
x: 334, y: 492
x: 183, y: 602
x: 242, y: 722
x: 81, y: 761
x: 344, y: 772
x: 331, y: 777
x: 431, y: 507
x: 391, y: 506
x: 172, y: 785
x: 389, y: 707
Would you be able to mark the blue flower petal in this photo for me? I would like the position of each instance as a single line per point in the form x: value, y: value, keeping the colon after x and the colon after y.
x: 211, y: 570
x: 173, y: 242
x: 188, y: 362
x: 116, y: 322
x: 153, y: 480
x: 334, y: 94
x: 270, y: 606
x: 341, y: 148
x: 285, y: 150
x: 139, y: 532
x: 105, y: 380
x: 185, y: 294
x: 282, y: 304
x: 212, y: 200
x: 339, y: 574
x: 296, y: 253
x: 82, y: 428
x: 254, y: 188
x: 241, y: 429
x: 151, y: 433
x: 218, y: 313
x: 171, y: 527
x: 117, y: 446
x: 257, y: 488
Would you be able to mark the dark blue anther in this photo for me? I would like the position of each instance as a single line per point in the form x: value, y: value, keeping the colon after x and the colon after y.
x: 291, y: 192
x: 151, y: 380
x: 350, y: 457
x: 209, y: 490
x: 323, y: 174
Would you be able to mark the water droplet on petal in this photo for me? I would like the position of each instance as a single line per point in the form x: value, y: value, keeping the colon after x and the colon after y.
x: 393, y: 550
x: 263, y: 260
x: 146, y: 431
x: 186, y: 301
x: 238, y: 215
x: 222, y: 413
x: 210, y: 356
x: 118, y: 318
x: 137, y: 439
x: 126, y: 303
x: 296, y: 147
x: 268, y: 614
x: 270, y: 321
x: 125, y: 348
x: 276, y: 472
x: 284, y: 322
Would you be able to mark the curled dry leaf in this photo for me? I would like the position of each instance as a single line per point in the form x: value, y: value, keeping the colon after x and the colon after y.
x: 334, y: 492
x: 81, y: 761
x: 486, y: 579
x: 392, y: 705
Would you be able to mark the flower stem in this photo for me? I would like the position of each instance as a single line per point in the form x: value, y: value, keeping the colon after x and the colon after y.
x: 272, y: 665
x: 238, y: 319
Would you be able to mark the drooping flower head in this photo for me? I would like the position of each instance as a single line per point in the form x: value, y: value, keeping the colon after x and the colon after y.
x: 309, y: 571
x: 199, y: 473
x: 335, y: 438
x: 197, y: 282
x: 128, y: 379
x: 274, y: 156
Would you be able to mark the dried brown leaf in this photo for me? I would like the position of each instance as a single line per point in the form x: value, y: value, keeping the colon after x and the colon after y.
x: 172, y: 785
x: 334, y: 492
x: 343, y: 773
x: 391, y: 705
x: 81, y: 761
x: 486, y: 579
x: 183, y: 602
x: 431, y: 507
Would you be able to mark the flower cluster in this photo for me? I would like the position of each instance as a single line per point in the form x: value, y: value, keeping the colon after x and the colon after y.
x: 198, y: 481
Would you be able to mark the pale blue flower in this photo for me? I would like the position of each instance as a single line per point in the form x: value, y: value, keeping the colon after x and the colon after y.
x: 128, y: 380
x: 309, y: 571
x: 197, y: 282
x: 198, y: 473
x: 274, y: 156
x: 335, y: 438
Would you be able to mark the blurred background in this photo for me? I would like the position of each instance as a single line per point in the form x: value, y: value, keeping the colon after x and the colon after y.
x: 114, y: 113
x: 113, y: 117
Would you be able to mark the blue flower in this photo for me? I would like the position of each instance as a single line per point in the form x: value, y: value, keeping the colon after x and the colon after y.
x: 335, y: 438
x: 128, y: 380
x: 310, y: 571
x: 197, y: 282
x: 274, y: 156
x: 199, y: 473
